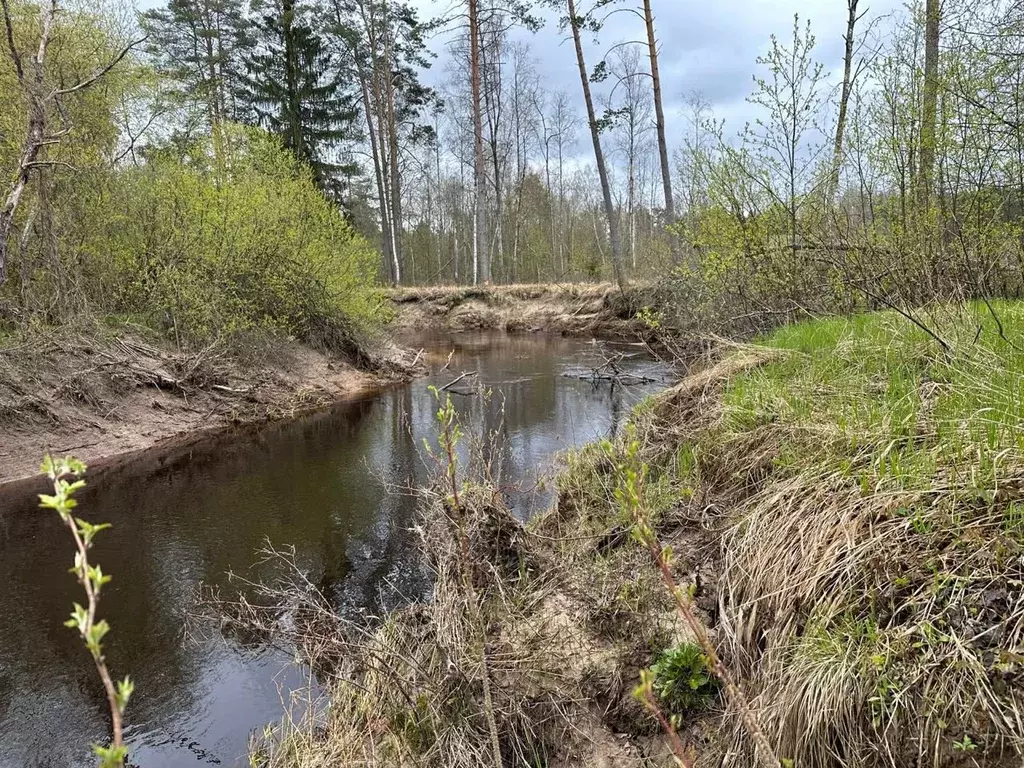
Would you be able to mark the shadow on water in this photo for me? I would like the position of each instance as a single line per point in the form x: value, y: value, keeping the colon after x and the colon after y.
x: 325, y: 484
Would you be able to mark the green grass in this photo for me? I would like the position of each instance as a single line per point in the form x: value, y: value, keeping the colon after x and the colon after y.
x: 878, y: 389
x: 892, y: 510
x: 865, y: 488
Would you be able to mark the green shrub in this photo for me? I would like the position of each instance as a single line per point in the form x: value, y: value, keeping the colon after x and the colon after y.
x: 205, y: 250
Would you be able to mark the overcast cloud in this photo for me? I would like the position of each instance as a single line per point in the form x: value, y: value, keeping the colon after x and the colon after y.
x: 710, y: 46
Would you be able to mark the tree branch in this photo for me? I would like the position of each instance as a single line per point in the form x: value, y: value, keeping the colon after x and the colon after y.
x: 98, y: 73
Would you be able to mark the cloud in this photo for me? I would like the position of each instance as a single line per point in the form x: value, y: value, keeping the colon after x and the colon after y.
x: 710, y: 46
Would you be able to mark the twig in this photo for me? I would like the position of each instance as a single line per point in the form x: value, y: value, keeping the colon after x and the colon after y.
x: 92, y: 579
x: 456, y: 380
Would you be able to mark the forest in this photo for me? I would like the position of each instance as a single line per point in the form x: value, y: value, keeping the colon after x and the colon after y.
x: 901, y: 169
x: 586, y: 416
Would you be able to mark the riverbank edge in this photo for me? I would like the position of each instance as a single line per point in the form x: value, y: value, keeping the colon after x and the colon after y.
x: 842, y: 503
x: 569, y: 609
x: 116, y: 400
x: 599, y: 310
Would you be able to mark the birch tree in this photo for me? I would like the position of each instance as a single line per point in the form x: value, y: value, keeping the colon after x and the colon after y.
x: 44, y: 97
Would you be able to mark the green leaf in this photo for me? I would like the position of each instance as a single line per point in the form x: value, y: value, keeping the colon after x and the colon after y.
x: 79, y: 619
x: 48, y: 502
x: 125, y: 688
x: 110, y: 757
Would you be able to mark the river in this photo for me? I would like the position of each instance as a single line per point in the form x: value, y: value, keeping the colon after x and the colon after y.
x: 326, y: 484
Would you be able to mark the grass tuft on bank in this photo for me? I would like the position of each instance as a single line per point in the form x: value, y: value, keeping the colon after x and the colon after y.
x: 846, y: 501
x: 872, y: 575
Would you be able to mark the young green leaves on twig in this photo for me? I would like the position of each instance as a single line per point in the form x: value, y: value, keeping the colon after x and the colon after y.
x: 630, y: 480
x: 66, y: 475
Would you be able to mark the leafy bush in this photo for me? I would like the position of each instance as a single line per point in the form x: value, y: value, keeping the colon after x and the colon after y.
x: 683, y: 681
x: 206, y: 250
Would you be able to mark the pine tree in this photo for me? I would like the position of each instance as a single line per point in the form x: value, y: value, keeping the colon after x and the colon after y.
x: 196, y: 44
x: 384, y: 41
x: 296, y: 87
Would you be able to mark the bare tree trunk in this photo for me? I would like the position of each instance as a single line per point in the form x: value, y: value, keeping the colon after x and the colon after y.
x: 481, y: 255
x: 659, y: 111
x: 602, y: 171
x: 385, y: 219
x: 844, y: 99
x: 35, y: 136
x: 38, y: 96
x: 631, y: 195
x: 440, y: 196
x: 929, y: 102
x: 393, y: 156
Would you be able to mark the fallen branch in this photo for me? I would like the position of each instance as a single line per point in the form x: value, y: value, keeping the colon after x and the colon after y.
x: 456, y: 380
x: 231, y: 390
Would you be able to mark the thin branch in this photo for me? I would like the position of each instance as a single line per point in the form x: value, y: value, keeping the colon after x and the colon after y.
x: 12, y: 49
x: 98, y: 73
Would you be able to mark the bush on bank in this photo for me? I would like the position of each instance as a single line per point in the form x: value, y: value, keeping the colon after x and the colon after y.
x: 208, y: 252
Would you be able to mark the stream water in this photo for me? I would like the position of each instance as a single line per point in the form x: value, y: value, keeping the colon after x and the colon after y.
x: 320, y: 484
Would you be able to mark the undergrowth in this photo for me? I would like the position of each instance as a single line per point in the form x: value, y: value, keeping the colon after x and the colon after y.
x: 844, y: 501
x: 873, y: 576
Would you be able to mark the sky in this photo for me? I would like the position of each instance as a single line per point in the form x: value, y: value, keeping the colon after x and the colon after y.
x: 710, y: 46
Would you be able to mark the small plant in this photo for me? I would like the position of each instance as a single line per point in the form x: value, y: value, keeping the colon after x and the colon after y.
x: 966, y: 744
x: 66, y: 475
x: 683, y: 681
x: 631, y: 475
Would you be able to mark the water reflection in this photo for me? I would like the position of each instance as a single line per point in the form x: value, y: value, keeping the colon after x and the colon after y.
x: 320, y: 484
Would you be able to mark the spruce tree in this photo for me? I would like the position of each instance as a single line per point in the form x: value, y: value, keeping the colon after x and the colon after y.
x: 296, y: 87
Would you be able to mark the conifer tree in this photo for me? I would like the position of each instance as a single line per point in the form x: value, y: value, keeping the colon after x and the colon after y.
x: 294, y: 86
x: 196, y: 44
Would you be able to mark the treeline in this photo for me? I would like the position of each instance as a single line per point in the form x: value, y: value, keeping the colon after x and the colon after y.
x: 116, y: 205
x: 894, y: 179
x: 894, y: 183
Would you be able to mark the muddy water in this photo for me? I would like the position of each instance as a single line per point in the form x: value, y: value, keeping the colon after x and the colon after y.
x: 320, y: 484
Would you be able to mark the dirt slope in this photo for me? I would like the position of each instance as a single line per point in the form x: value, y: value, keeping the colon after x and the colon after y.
x: 572, y: 310
x: 103, y: 398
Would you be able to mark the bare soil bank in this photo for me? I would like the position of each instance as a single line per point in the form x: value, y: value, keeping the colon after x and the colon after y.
x: 107, y: 397
x: 572, y: 309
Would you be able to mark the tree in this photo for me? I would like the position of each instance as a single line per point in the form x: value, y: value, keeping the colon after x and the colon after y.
x: 784, y: 139
x: 576, y: 23
x: 481, y: 256
x: 295, y: 87
x: 930, y: 95
x: 632, y: 115
x: 197, y: 44
x: 45, y: 98
x: 659, y: 109
x: 384, y: 41
x: 844, y: 96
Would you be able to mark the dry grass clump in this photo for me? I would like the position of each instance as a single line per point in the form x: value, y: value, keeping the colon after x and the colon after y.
x: 499, y: 667
x: 452, y: 295
x: 871, y: 584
